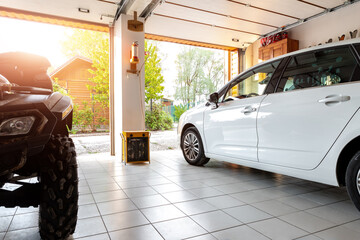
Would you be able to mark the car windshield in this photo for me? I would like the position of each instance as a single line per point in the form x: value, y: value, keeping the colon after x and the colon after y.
x: 252, y: 83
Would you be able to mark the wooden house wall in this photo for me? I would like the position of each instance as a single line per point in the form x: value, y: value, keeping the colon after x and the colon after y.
x: 75, y: 79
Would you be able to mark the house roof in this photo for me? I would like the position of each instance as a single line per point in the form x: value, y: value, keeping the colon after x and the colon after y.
x: 167, y: 99
x: 70, y: 61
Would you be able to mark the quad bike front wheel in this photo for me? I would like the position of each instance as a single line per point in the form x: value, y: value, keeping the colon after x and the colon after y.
x: 59, y: 189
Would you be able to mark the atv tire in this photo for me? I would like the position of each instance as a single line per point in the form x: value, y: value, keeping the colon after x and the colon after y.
x: 59, y: 189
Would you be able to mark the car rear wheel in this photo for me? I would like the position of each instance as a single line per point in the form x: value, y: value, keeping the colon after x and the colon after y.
x: 192, y: 147
x: 353, y: 179
x: 59, y: 189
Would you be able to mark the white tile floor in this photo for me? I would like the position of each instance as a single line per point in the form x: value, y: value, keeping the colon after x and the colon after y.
x: 169, y: 199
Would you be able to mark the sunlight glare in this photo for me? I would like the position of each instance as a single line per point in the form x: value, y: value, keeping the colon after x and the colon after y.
x: 32, y: 37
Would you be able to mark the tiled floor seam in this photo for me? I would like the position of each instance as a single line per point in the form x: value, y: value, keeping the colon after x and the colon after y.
x: 223, y: 228
x: 144, y: 217
x: 239, y: 226
x: 200, y: 236
x: 309, y: 235
x: 277, y: 217
x: 292, y: 195
x: 96, y: 204
x: 258, y: 231
x: 288, y: 194
x: 151, y: 224
x: 339, y: 225
x: 8, y: 228
x: 264, y: 201
x: 164, y: 220
x: 127, y: 228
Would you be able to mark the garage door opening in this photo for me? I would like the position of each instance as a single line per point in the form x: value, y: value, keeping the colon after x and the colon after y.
x: 79, y: 68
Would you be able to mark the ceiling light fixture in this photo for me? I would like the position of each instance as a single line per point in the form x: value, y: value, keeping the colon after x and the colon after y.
x: 84, y: 10
x: 245, y: 44
x: 106, y: 15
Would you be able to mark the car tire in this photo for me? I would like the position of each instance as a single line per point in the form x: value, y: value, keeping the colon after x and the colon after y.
x: 59, y: 189
x: 192, y: 147
x: 352, y: 179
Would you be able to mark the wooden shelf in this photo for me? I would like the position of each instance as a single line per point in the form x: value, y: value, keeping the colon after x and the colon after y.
x: 278, y: 48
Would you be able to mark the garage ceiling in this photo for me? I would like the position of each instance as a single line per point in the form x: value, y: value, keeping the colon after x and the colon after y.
x: 209, y: 21
x: 219, y: 21
x: 67, y: 8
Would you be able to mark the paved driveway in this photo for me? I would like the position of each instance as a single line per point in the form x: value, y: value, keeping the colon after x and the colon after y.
x: 98, y: 143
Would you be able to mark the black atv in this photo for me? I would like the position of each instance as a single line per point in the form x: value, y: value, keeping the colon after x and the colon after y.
x: 34, y: 142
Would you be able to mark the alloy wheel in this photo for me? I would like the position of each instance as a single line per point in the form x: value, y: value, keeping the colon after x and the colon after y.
x: 191, y: 146
x: 358, y: 181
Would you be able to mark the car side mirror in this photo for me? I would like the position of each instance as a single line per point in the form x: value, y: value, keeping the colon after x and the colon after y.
x: 214, y: 98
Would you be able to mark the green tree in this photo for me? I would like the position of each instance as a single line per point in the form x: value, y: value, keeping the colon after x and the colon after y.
x: 179, y: 110
x: 95, y: 46
x: 153, y: 76
x: 214, y: 74
x: 199, y: 73
x: 58, y: 88
x: 157, y: 119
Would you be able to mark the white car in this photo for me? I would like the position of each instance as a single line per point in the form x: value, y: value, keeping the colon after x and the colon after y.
x: 297, y: 114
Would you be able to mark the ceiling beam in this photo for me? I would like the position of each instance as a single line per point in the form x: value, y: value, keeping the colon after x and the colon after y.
x: 104, y: 1
x: 220, y: 14
x: 312, y: 4
x: 51, y: 19
x: 150, y: 8
x: 263, y: 9
x: 123, y: 7
x: 187, y: 42
x: 126, y: 7
x: 206, y: 24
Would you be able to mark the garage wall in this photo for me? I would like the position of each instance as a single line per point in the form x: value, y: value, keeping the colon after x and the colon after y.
x: 252, y: 54
x: 129, y: 88
x: 328, y: 26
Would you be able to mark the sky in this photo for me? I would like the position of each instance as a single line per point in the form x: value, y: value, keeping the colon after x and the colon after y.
x: 168, y: 53
x: 38, y: 38
x: 45, y: 40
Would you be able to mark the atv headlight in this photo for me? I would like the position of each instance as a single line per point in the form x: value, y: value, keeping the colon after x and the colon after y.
x: 16, y: 126
x: 67, y: 111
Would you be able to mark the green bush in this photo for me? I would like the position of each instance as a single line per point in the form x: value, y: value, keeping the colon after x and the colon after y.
x: 158, y: 119
x: 179, y: 110
x: 83, y: 118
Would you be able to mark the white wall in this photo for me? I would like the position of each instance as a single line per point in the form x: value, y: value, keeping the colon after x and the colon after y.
x: 129, y: 93
x: 328, y: 26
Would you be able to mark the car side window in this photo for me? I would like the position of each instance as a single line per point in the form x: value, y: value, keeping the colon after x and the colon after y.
x: 252, y: 83
x: 319, y: 68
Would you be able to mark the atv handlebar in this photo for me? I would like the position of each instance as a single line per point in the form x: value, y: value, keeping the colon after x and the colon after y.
x: 22, y: 89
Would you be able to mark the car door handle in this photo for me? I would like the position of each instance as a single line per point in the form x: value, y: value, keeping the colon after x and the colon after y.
x: 248, y: 109
x: 331, y: 99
